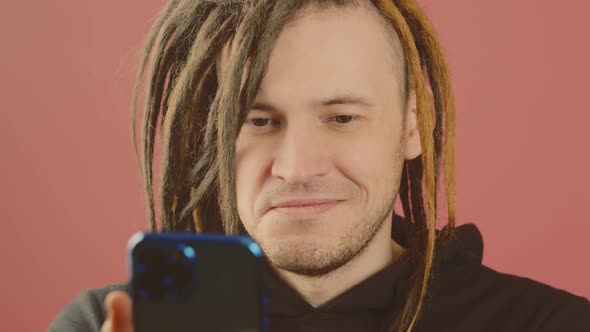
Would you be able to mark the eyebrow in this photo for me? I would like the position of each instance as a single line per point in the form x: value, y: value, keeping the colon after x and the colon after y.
x: 343, y: 99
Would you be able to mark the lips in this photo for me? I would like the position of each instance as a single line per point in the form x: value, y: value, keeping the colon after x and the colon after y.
x: 304, y: 208
x: 304, y: 203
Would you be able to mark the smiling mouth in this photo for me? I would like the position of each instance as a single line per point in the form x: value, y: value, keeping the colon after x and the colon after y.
x: 304, y: 209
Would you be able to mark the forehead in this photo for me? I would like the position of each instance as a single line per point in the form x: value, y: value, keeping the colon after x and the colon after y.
x: 337, y: 51
x: 330, y: 52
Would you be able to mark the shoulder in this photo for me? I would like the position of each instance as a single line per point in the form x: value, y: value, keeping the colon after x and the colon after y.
x: 85, y: 312
x: 509, y: 302
x: 546, y: 308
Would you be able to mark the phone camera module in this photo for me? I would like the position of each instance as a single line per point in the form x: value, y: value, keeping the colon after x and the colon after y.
x: 165, y: 274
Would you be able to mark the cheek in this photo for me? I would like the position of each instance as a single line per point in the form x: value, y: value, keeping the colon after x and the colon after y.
x: 370, y: 166
x: 370, y: 162
x: 250, y: 166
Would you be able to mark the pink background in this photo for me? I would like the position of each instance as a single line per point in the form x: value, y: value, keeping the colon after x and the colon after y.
x: 70, y: 191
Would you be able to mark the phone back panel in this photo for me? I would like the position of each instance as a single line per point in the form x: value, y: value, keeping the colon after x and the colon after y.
x: 189, y: 282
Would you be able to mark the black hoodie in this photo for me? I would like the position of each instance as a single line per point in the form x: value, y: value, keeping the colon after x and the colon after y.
x: 464, y: 295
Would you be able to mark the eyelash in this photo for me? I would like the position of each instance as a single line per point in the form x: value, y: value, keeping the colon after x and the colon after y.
x: 332, y: 119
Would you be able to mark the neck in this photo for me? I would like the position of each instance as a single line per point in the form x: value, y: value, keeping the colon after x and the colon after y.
x: 381, y: 252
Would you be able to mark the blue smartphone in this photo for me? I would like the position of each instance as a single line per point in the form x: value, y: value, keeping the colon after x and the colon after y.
x: 197, y: 282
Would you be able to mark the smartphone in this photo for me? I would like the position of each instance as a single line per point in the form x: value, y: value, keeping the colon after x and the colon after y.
x: 197, y: 282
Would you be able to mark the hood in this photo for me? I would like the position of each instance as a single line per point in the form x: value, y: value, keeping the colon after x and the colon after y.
x: 465, y: 246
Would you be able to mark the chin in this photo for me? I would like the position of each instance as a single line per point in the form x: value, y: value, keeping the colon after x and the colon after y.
x: 307, y: 257
x: 296, y: 240
x: 297, y: 254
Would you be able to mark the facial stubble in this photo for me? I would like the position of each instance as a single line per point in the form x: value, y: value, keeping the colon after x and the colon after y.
x: 309, y: 258
x: 315, y: 260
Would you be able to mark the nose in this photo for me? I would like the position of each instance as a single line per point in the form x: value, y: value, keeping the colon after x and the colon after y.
x: 301, y: 156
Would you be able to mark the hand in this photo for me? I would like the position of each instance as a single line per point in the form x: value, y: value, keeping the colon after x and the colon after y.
x: 118, y: 308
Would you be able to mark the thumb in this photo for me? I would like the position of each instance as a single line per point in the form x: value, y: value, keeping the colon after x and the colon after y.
x: 118, y: 307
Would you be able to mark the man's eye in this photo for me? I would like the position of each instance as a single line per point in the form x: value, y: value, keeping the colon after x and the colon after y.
x: 260, y: 122
x: 343, y: 119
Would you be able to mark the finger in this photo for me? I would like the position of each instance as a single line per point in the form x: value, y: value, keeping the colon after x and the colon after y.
x: 118, y: 307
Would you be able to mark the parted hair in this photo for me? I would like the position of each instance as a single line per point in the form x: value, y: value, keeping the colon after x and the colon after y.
x: 195, y: 116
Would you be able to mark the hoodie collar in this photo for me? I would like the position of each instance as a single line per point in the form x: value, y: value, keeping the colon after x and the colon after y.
x: 381, y: 290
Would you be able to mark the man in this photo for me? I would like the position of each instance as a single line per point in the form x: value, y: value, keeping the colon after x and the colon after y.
x: 299, y: 123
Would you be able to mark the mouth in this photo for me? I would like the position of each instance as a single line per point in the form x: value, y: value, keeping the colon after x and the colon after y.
x: 304, y: 209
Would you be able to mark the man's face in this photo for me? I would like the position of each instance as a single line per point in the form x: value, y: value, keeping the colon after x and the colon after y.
x: 319, y: 157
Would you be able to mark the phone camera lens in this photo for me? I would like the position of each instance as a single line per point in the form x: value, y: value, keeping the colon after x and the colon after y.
x: 187, y: 251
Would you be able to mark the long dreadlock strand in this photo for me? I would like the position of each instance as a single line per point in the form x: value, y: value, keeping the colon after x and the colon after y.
x: 186, y: 94
x: 255, y: 38
x: 147, y: 134
x: 433, y: 60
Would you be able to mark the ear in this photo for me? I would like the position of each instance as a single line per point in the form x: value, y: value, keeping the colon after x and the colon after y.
x: 412, y: 145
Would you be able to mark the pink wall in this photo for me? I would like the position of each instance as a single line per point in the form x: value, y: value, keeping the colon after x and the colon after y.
x: 71, y: 194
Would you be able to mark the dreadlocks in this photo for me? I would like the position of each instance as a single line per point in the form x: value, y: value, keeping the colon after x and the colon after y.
x: 199, y: 115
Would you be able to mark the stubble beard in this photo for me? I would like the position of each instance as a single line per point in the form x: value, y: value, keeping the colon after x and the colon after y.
x: 312, y: 258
